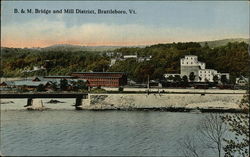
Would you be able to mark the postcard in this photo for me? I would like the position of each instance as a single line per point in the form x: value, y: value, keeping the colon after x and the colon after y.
x: 124, y: 78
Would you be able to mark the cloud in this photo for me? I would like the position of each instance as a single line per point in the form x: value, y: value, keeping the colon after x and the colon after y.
x: 41, y: 32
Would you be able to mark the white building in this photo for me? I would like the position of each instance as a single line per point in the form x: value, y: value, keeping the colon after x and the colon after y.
x: 125, y: 57
x: 190, y: 63
x: 142, y: 59
x: 130, y: 56
x: 112, y: 61
x: 207, y: 75
x: 192, y: 60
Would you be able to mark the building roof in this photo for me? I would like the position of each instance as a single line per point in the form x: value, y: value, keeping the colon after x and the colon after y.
x: 242, y: 78
x: 191, y: 56
x: 58, y: 76
x: 29, y: 83
x: 8, y: 83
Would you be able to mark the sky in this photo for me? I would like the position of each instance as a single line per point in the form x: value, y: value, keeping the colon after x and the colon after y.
x: 154, y: 22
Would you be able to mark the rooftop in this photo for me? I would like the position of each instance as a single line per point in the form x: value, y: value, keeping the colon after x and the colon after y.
x: 59, y: 76
x: 190, y: 56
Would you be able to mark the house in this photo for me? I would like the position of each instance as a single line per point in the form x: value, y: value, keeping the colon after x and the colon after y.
x: 7, y: 84
x: 142, y: 59
x: 242, y: 81
x: 59, y: 77
x: 105, y: 79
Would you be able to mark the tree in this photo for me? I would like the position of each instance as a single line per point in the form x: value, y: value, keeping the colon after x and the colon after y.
x: 215, y: 79
x: 40, y: 88
x: 158, y: 73
x: 120, y: 89
x: 185, y: 80
x: 170, y: 78
x: 177, y: 78
x: 239, y: 126
x: 206, y: 80
x: 64, y: 84
x: 53, y: 86
x: 213, y: 130
x: 80, y: 84
x: 224, y: 79
x: 206, y: 46
x: 191, y: 76
x: 189, y: 146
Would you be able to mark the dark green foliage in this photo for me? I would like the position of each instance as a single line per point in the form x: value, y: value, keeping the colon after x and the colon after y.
x: 215, y: 79
x: 185, y: 80
x: 170, y: 78
x: 224, y: 79
x: 79, y: 85
x: 64, y: 84
x: 177, y: 78
x: 54, y: 86
x: 120, y: 89
x: 40, y: 88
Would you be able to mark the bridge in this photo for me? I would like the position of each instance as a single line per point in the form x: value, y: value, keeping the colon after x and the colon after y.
x: 31, y: 96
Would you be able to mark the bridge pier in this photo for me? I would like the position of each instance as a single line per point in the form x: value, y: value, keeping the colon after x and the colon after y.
x: 34, y: 104
x: 34, y: 99
x: 29, y: 102
x: 78, y: 103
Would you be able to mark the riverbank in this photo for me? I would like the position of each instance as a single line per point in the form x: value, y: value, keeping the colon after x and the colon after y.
x: 164, y: 102
x: 174, y: 101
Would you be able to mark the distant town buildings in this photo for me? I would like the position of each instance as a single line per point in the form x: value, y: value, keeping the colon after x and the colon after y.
x: 47, y: 83
x: 190, y: 64
x: 125, y: 57
x: 35, y: 68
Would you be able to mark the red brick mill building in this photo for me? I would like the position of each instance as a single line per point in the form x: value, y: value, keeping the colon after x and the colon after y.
x: 104, y: 79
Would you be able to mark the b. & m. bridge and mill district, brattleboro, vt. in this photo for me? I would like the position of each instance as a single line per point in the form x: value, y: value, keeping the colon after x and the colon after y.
x: 124, y: 78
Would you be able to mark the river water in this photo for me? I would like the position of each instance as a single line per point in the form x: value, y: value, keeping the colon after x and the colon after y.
x: 67, y: 132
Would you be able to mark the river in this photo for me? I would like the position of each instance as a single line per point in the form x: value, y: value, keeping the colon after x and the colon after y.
x: 68, y: 132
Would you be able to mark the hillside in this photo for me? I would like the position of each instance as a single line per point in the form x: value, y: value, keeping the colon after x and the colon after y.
x: 75, y: 48
x: 165, y: 58
x: 217, y: 43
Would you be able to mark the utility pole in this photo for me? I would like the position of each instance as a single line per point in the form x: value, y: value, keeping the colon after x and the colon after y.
x: 148, y: 84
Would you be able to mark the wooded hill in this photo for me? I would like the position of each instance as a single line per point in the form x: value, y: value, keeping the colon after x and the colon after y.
x: 232, y: 58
